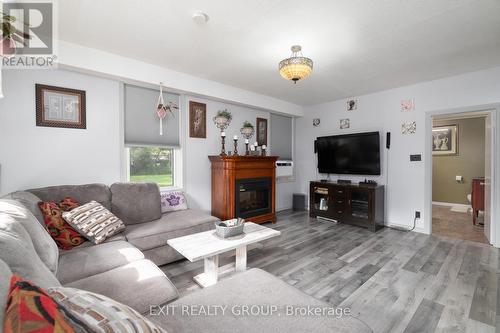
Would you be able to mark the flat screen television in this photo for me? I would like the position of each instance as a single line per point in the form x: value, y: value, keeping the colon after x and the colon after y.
x: 354, y: 154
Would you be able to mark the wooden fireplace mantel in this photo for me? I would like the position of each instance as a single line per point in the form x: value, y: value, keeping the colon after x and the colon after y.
x: 226, y: 170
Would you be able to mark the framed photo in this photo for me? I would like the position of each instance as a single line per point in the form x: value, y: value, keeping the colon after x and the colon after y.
x: 445, y: 140
x: 261, y: 131
x: 409, y: 127
x: 197, y: 120
x: 352, y: 104
x: 345, y: 123
x: 60, y: 107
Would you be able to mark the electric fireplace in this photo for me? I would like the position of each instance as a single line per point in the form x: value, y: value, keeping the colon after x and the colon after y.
x: 252, y: 197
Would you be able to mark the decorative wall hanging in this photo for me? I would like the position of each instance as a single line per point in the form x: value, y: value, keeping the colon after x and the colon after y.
x: 407, y: 105
x: 352, y: 104
x: 409, y: 127
x: 162, y: 108
x: 345, y: 123
x: 247, y: 132
x: 60, y: 107
x: 316, y: 122
x: 445, y: 140
x: 261, y: 131
x: 197, y: 120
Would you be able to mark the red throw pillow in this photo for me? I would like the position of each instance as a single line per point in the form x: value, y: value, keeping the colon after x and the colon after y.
x: 30, y: 309
x: 63, y: 234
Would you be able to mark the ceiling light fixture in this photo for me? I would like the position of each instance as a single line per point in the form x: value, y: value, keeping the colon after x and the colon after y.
x: 297, y: 67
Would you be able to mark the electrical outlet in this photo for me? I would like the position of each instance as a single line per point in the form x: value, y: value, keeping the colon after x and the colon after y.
x: 417, y: 214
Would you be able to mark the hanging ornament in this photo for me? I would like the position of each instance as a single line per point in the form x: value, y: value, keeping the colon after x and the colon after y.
x: 162, y: 109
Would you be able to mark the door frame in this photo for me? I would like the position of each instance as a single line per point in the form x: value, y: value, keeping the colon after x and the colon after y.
x: 494, y: 111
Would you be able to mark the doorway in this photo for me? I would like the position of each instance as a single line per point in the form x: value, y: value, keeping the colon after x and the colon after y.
x: 461, y: 176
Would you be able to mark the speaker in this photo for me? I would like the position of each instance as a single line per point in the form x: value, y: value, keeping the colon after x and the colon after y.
x: 299, y: 201
x: 388, y: 140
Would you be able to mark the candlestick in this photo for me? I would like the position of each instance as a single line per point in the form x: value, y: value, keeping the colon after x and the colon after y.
x: 223, y: 134
x: 235, y: 145
x: 247, y: 152
x: 246, y: 141
x: 223, y: 149
x: 263, y: 153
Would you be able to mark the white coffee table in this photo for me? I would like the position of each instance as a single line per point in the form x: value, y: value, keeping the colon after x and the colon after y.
x: 207, y: 245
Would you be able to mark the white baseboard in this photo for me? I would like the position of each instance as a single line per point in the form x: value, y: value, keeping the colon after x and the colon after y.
x: 450, y: 204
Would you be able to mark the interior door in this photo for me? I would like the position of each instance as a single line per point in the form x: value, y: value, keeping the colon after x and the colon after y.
x: 487, y: 177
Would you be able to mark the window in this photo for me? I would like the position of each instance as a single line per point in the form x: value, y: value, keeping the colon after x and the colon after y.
x: 151, y: 164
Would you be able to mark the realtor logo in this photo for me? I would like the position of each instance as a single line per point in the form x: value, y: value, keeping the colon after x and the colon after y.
x: 27, y: 34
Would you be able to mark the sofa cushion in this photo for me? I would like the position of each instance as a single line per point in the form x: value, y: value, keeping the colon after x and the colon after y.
x: 65, y: 236
x: 136, y: 202
x: 5, y: 275
x: 83, y: 262
x: 29, y: 200
x: 259, y: 288
x: 44, y: 245
x: 18, y: 253
x: 81, y: 193
x: 172, y: 201
x: 140, y: 284
x: 100, y: 313
x: 30, y: 309
x: 94, y: 222
x: 171, y: 225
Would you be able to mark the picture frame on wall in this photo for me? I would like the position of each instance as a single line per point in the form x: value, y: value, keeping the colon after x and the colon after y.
x: 60, y: 107
x: 261, y: 131
x: 445, y: 140
x: 197, y: 120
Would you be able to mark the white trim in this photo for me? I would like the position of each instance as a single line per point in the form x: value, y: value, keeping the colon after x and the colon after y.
x: 494, y: 111
x: 450, y: 204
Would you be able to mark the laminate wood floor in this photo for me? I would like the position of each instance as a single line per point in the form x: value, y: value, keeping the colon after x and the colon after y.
x: 392, y: 280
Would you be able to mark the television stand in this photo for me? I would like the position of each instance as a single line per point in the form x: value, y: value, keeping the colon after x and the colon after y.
x: 359, y: 205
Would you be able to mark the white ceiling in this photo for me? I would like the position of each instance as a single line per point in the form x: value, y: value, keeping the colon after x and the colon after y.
x: 358, y: 46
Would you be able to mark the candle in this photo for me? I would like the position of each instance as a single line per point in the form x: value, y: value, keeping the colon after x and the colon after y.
x: 264, y: 147
x: 235, y: 137
x: 256, y: 144
x: 223, y: 134
x: 252, y: 148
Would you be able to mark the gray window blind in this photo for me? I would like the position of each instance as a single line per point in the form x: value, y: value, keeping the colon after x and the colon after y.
x: 142, y: 125
x: 281, y: 136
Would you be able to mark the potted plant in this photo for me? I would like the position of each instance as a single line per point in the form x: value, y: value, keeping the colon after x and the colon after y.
x: 247, y: 130
x: 223, y: 118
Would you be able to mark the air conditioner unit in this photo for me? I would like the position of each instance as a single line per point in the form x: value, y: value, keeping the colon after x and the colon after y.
x: 284, y: 168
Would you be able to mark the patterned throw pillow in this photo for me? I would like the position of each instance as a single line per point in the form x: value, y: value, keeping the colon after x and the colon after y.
x: 63, y: 234
x: 94, y: 221
x: 100, y: 313
x: 30, y: 309
x: 172, y: 201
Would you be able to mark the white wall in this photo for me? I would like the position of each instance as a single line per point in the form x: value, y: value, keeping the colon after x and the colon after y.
x: 32, y: 156
x: 197, y: 165
x: 381, y: 111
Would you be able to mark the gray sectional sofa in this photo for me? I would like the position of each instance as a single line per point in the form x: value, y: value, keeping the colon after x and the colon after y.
x: 125, y: 267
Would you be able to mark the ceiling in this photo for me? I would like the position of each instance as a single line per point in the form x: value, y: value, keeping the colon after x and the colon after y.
x: 358, y: 46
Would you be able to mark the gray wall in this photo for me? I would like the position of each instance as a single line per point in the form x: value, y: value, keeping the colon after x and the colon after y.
x: 469, y: 162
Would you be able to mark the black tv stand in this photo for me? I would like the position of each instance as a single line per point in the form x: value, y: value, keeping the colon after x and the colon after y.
x: 356, y: 204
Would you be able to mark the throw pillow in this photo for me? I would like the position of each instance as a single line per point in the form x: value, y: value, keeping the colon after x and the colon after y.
x: 63, y: 234
x: 172, y: 201
x: 94, y: 221
x: 30, y: 309
x: 100, y: 313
